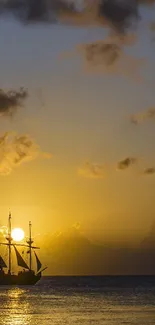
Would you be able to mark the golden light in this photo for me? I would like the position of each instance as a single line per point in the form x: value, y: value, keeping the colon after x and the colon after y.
x: 17, y: 234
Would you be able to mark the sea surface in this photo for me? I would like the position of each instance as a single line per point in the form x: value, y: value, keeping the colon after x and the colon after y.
x: 78, y: 301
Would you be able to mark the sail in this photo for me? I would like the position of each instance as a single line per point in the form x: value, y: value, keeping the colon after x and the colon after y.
x: 39, y: 265
x: 20, y: 260
x: 2, y: 263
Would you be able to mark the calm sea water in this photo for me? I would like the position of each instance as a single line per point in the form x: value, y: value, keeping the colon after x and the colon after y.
x: 77, y: 300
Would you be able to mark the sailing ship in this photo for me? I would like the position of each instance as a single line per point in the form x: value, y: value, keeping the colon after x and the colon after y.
x: 26, y: 276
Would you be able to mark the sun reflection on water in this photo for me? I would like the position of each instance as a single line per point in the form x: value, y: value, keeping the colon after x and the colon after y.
x: 15, y: 308
x: 49, y: 304
x: 15, y: 293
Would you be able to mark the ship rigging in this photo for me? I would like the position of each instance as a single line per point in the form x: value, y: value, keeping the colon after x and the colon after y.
x: 28, y: 275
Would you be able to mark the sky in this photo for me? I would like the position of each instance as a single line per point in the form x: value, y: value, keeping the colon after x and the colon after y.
x: 92, y: 161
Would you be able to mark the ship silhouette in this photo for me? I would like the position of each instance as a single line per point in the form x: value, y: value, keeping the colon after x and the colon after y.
x: 27, y: 276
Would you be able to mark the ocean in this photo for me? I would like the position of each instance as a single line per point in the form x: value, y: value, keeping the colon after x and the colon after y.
x: 79, y: 301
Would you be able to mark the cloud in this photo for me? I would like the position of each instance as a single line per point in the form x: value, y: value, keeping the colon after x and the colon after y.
x: 152, y: 26
x: 126, y: 163
x: 72, y: 252
x: 10, y: 101
x: 152, y: 29
x: 90, y: 170
x: 117, y: 14
x: 108, y: 53
x: 76, y: 226
x: 141, y: 117
x: 33, y: 11
x: 149, y: 240
x: 149, y: 171
x: 3, y: 232
x: 15, y: 150
x: 107, y: 56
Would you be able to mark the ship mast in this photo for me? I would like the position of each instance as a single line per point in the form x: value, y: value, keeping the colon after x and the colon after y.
x: 9, y: 243
x: 30, y: 242
x: 9, y: 239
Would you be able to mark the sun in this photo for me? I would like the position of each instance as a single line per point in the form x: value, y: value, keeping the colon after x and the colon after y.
x: 17, y: 234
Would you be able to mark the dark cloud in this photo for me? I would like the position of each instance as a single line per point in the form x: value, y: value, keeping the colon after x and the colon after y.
x: 31, y: 11
x: 109, y: 53
x: 119, y: 14
x: 149, y: 171
x: 134, y: 119
x: 74, y: 253
x: 126, y: 163
x: 92, y: 170
x: 11, y: 100
x: 149, y: 240
x: 152, y: 26
x: 152, y: 29
x: 108, y: 57
x: 149, y: 114
x: 15, y: 150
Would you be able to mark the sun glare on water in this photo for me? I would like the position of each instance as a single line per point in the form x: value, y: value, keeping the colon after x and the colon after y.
x: 17, y: 234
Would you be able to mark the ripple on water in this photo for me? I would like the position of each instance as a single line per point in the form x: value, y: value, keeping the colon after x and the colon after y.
x: 49, y: 304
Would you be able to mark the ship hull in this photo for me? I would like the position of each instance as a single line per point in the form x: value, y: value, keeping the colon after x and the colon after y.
x: 23, y: 278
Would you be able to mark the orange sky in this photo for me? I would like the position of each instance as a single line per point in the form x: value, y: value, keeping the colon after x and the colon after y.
x: 78, y: 118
